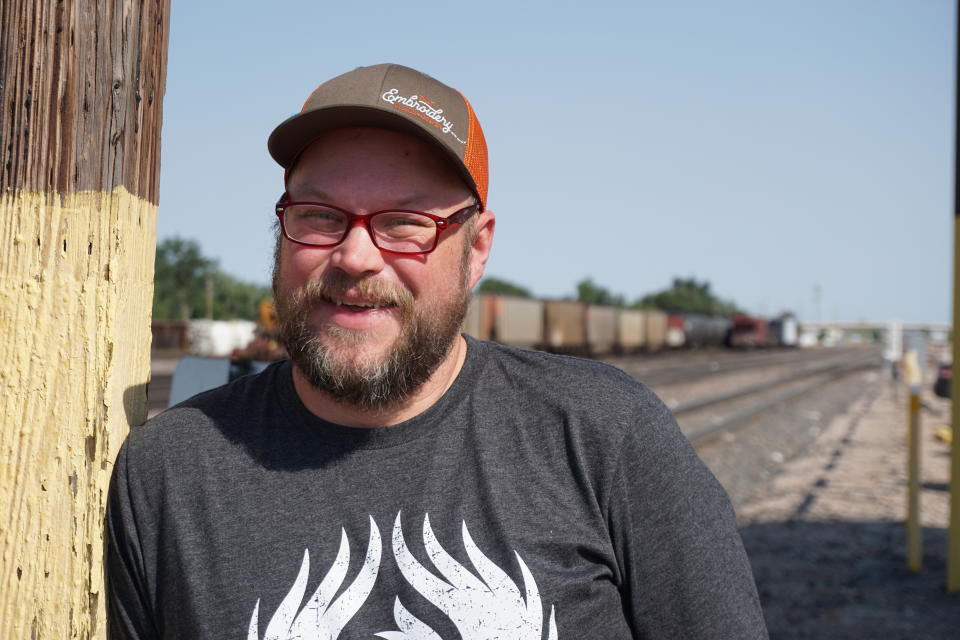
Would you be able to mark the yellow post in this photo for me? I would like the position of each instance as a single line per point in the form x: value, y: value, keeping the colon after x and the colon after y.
x: 953, y: 539
x: 82, y: 91
x: 914, y: 528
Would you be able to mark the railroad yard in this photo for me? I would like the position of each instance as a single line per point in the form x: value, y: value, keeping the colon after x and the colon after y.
x: 810, y: 445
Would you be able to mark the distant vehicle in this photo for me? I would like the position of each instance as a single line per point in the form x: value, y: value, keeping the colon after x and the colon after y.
x: 942, y: 386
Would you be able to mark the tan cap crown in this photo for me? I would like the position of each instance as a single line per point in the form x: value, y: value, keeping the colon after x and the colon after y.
x: 392, y: 97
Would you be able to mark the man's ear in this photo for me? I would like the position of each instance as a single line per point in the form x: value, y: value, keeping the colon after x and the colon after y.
x: 482, y: 243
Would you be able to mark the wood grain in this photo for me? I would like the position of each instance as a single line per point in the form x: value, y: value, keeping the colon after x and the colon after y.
x: 81, y: 93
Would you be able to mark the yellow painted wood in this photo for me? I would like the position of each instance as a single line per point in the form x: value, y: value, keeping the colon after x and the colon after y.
x: 912, y: 374
x: 953, y: 542
x: 914, y: 525
x: 76, y: 285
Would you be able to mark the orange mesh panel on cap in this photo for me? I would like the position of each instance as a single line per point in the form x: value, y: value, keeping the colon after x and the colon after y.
x: 475, y: 156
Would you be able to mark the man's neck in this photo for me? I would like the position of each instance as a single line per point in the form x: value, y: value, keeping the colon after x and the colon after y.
x: 324, y: 406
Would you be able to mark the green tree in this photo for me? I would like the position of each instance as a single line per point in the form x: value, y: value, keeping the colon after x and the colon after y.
x: 502, y: 287
x: 590, y: 292
x: 189, y: 285
x: 687, y: 295
x: 234, y: 298
x: 180, y: 271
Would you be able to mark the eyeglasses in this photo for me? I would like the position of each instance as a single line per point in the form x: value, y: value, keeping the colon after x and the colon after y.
x: 402, y: 231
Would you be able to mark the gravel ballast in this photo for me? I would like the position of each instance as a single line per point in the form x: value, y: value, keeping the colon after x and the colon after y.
x: 820, y: 491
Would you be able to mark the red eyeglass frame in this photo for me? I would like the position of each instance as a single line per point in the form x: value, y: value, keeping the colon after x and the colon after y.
x: 353, y: 219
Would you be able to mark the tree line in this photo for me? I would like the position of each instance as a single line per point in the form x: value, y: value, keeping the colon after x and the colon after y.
x: 685, y: 295
x: 188, y: 285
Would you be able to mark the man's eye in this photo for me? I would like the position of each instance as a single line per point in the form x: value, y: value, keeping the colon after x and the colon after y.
x: 406, y: 220
x: 318, y: 219
x: 319, y: 214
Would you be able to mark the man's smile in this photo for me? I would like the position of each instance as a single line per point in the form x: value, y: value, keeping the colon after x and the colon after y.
x: 358, y: 303
x: 355, y: 313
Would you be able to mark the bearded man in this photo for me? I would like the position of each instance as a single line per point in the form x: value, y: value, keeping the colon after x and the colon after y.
x: 394, y: 478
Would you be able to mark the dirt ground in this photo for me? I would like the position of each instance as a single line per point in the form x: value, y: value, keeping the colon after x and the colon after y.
x: 826, y: 536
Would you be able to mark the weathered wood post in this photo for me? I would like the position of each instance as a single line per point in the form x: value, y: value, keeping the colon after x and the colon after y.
x: 953, y: 533
x: 81, y: 90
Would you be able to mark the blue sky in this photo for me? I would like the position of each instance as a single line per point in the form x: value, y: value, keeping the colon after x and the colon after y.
x: 768, y: 147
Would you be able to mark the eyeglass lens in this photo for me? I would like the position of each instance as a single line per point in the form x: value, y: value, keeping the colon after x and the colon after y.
x: 393, y: 230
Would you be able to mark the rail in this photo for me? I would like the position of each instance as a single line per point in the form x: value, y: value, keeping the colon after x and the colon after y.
x: 706, y: 432
x: 687, y: 372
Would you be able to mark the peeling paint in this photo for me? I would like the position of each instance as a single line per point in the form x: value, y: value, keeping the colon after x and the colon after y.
x: 71, y: 345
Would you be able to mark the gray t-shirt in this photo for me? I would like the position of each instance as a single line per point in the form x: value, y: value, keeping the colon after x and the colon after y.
x: 542, y: 497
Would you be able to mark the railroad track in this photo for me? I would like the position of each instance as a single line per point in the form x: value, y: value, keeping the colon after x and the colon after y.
x: 656, y: 375
x: 704, y: 419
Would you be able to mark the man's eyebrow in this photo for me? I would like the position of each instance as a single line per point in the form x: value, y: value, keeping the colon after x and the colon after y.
x: 317, y: 195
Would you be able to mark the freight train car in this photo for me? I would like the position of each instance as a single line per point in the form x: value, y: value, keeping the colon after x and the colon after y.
x: 747, y: 332
x: 631, y: 330
x: 784, y: 331
x: 676, y: 337
x: 696, y: 330
x: 568, y: 326
x: 704, y: 331
x: 517, y: 321
x: 601, y: 329
x: 656, y: 325
x: 475, y: 323
x: 564, y: 329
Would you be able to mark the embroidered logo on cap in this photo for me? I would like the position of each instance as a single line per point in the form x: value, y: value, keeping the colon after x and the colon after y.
x: 421, y: 107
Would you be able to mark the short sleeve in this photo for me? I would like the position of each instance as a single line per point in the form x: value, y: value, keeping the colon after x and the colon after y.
x: 684, y: 570
x: 128, y: 610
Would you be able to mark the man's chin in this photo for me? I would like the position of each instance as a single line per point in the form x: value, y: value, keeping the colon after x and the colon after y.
x: 356, y: 344
x: 357, y: 359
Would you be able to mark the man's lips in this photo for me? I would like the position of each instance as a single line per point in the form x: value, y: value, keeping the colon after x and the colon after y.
x: 358, y: 304
x: 356, y: 313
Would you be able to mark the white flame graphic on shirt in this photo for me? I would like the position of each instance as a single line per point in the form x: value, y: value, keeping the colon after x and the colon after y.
x: 481, y: 608
x: 321, y: 619
x: 490, y: 606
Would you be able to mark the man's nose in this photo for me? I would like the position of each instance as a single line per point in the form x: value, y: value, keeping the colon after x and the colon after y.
x: 357, y: 255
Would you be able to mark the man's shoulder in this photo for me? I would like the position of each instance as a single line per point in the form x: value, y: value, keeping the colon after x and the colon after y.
x: 205, y: 416
x: 583, y: 386
x: 559, y: 369
x: 587, y: 412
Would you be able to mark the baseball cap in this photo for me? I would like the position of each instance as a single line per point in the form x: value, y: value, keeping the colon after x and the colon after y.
x: 394, y: 97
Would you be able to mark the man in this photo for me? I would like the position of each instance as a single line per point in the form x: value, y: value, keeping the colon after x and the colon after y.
x: 395, y: 479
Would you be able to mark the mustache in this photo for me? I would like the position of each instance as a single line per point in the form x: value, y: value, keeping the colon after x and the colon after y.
x: 337, y: 284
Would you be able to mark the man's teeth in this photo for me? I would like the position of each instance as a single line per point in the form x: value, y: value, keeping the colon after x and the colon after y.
x: 366, y: 305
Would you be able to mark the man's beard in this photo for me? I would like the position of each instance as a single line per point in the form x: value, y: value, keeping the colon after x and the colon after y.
x: 334, y: 360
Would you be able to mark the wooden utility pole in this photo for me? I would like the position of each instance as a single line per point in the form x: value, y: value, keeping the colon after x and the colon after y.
x: 953, y: 533
x: 81, y: 90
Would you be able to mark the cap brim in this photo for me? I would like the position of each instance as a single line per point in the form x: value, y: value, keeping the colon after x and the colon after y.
x: 295, y: 134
